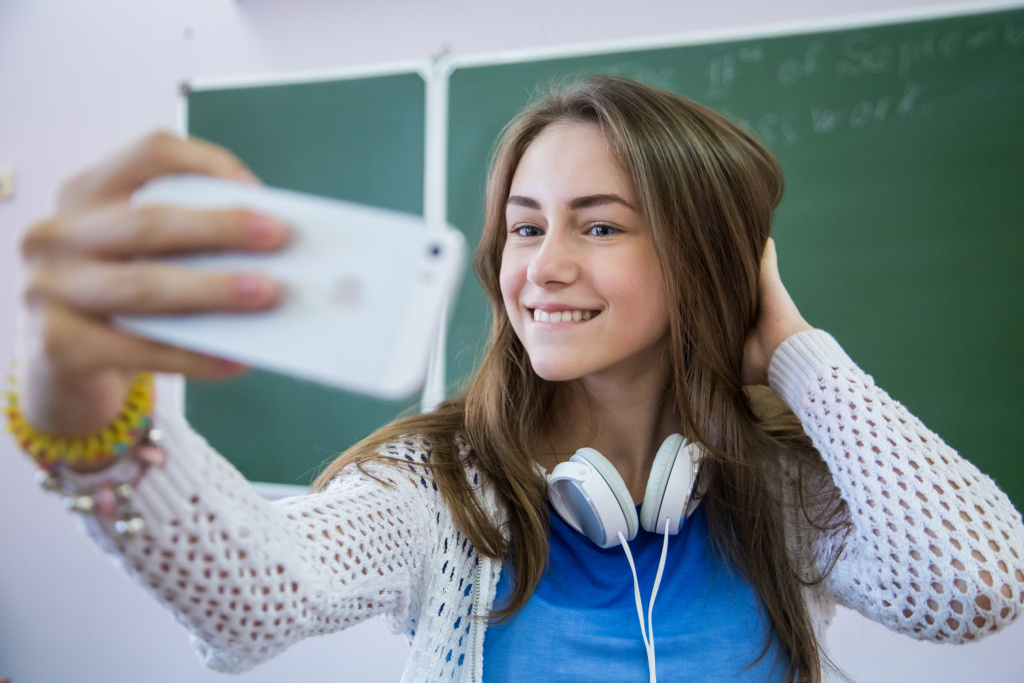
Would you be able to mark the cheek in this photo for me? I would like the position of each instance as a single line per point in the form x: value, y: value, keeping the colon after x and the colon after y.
x: 511, y: 274
x: 648, y: 301
x: 510, y: 279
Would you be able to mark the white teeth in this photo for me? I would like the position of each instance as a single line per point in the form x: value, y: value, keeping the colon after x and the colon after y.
x: 561, y: 316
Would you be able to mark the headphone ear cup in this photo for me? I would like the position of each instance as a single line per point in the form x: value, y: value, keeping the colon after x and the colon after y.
x: 617, y: 486
x: 657, y: 482
x: 588, y: 493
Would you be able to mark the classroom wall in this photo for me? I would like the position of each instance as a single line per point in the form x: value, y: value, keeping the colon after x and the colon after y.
x: 77, y: 79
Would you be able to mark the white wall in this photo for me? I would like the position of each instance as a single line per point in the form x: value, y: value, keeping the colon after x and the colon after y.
x: 79, y: 78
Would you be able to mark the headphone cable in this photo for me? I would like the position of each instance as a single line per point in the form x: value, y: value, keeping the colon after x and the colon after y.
x: 649, y: 627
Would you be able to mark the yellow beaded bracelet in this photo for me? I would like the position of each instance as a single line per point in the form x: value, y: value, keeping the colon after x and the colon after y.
x: 129, y: 428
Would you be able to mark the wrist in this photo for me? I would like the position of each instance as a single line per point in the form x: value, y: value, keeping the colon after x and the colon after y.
x: 71, y: 406
x: 107, y: 494
x: 793, y: 328
x: 97, y: 474
x: 94, y: 450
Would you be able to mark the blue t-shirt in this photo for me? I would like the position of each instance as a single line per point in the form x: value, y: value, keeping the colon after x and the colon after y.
x: 581, y: 622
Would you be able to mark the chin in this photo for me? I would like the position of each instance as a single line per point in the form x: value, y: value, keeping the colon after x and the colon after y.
x: 554, y: 371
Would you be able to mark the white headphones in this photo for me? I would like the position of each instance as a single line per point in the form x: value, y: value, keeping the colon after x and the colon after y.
x: 591, y: 497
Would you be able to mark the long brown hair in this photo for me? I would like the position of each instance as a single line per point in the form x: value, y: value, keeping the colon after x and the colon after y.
x: 707, y: 190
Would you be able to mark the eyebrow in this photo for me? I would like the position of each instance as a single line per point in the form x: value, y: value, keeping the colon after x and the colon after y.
x: 576, y: 204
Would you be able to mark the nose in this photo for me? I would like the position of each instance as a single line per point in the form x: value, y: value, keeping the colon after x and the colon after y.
x: 555, y: 261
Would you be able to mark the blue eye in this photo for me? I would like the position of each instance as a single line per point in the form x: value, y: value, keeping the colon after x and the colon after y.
x: 526, y: 230
x: 602, y: 230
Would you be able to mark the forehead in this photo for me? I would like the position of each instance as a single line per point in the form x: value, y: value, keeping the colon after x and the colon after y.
x: 568, y: 160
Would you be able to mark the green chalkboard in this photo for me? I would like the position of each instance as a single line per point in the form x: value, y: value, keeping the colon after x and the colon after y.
x: 902, y: 228
x: 360, y: 139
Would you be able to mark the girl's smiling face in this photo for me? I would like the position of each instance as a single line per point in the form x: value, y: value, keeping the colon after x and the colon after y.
x: 579, y: 275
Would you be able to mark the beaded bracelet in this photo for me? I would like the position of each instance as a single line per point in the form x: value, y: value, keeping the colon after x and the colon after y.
x: 86, y: 452
x: 111, y: 499
x: 130, y: 438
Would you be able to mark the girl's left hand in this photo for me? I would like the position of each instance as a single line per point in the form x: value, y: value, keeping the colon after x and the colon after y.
x: 777, y: 319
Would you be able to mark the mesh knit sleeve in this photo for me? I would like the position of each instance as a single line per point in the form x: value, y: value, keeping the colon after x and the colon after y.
x: 248, y: 577
x: 936, y: 550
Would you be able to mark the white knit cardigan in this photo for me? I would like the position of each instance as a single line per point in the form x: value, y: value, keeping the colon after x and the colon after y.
x: 935, y: 551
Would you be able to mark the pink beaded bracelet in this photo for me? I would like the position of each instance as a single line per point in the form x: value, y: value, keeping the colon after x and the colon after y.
x: 111, y: 499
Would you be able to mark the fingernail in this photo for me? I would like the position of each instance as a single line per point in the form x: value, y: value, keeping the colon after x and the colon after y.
x: 264, y: 231
x: 254, y: 290
x: 228, y: 368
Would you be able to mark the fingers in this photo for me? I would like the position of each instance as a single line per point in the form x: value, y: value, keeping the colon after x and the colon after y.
x: 140, y: 288
x: 124, y: 230
x: 771, y: 292
x: 88, y: 260
x: 77, y: 345
x: 84, y: 267
x: 777, y: 319
x: 769, y: 260
x: 157, y: 154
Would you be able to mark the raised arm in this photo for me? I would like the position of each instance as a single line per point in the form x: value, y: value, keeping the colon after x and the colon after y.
x: 245, y: 576
x: 936, y: 550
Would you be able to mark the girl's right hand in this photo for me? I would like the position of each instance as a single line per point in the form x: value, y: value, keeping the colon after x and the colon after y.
x: 88, y: 263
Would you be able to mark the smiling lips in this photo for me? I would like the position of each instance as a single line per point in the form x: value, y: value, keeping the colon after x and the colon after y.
x: 561, y: 316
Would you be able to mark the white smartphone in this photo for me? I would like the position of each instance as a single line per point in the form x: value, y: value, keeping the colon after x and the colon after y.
x: 365, y: 289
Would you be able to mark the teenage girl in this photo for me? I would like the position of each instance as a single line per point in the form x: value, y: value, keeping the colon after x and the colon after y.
x: 635, y: 296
